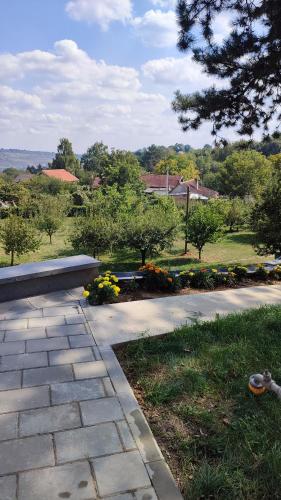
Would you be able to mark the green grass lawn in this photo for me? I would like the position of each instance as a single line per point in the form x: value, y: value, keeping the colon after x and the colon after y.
x: 232, y: 248
x: 220, y: 440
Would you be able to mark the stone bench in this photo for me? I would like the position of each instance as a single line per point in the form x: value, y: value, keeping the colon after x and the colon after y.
x: 38, y: 278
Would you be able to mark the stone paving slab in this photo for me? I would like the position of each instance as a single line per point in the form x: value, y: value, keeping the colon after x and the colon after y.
x: 24, y: 454
x: 8, y: 487
x: 28, y: 334
x: 10, y: 380
x: 44, y: 420
x: 78, y: 355
x: 48, y: 375
x: 53, y: 344
x: 62, y: 331
x: 77, y: 391
x: 73, y: 481
x: 24, y: 399
x: 8, y: 427
x: 110, y: 475
x: 12, y: 348
x: 89, y: 370
x: 101, y: 410
x: 88, y: 442
x: 22, y: 361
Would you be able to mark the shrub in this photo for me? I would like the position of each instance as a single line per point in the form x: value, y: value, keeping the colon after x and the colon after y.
x: 102, y: 290
x: 203, y: 279
x: 275, y: 274
x: 156, y: 278
x: 261, y: 273
x: 240, y: 271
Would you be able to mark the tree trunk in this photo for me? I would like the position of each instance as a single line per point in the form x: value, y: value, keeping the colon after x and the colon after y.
x: 50, y: 236
x: 12, y: 257
x: 200, y: 253
x: 143, y: 257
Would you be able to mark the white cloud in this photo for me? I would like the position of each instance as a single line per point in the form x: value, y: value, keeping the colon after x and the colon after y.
x: 156, y: 28
x: 102, y: 12
x: 175, y: 71
x: 164, y: 4
x: 71, y: 94
x: 222, y: 27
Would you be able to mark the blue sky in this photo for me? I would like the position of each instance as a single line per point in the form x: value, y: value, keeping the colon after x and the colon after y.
x: 94, y: 70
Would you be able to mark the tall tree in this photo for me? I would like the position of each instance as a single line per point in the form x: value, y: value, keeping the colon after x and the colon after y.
x: 248, y: 60
x: 244, y: 173
x: 95, y: 159
x: 65, y: 158
x: 180, y: 164
x: 266, y: 217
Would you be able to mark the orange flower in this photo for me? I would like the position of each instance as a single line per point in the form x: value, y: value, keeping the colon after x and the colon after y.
x: 170, y: 280
x: 157, y: 271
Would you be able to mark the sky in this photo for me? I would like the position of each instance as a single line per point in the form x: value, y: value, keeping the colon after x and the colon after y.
x: 95, y: 70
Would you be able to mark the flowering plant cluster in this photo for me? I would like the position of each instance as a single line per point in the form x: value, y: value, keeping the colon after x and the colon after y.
x: 103, y: 289
x: 207, y: 278
x: 156, y: 278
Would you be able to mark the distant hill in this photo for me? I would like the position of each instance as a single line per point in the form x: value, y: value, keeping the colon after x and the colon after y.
x: 21, y: 158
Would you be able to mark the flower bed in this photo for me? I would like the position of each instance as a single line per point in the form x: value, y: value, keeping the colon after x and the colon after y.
x: 161, y: 282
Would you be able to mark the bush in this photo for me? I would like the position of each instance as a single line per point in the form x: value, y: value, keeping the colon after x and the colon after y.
x: 102, y: 290
x: 261, y: 273
x: 156, y: 279
x: 240, y: 271
x: 275, y: 274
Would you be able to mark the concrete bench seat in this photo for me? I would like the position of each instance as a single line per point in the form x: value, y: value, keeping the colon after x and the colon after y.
x: 38, y: 278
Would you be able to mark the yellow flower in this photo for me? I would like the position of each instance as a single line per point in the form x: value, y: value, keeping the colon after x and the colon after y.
x: 86, y: 294
x: 100, y: 285
x: 190, y: 274
x: 214, y: 270
x: 115, y: 279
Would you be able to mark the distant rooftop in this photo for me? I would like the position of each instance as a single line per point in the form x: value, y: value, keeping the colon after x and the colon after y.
x: 60, y: 174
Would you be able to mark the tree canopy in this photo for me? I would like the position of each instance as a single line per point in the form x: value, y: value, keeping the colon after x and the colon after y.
x: 65, y: 158
x: 180, y: 164
x: 248, y: 61
x: 244, y: 173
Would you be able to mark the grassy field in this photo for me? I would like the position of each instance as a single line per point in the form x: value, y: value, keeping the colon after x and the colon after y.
x: 220, y: 440
x: 232, y: 248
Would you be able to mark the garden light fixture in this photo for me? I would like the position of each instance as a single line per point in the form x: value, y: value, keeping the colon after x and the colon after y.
x: 260, y: 383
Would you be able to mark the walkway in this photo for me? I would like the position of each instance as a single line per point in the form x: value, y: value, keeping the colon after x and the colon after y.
x: 117, y: 323
x: 70, y: 426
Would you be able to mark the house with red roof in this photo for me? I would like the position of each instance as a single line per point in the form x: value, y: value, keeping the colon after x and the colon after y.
x: 60, y: 174
x: 196, y: 191
x: 175, y: 186
x: 160, y: 184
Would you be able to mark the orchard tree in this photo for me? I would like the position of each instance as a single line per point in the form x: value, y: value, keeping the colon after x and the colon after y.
x: 18, y: 237
x: 51, y: 215
x: 152, y: 230
x: 65, y: 158
x: 237, y: 213
x: 244, y: 173
x: 94, y: 235
x: 247, y: 60
x: 204, y: 225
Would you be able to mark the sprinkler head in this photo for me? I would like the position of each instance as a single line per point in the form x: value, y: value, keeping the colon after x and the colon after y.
x: 255, y: 386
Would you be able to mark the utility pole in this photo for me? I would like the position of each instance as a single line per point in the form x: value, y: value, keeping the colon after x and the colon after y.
x: 186, y: 218
x: 167, y: 181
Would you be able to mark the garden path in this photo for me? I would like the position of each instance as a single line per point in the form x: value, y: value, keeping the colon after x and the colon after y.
x: 70, y: 426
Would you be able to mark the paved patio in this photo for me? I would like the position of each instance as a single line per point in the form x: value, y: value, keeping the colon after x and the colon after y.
x: 70, y: 426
